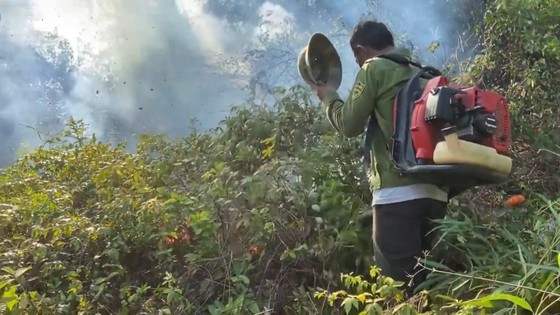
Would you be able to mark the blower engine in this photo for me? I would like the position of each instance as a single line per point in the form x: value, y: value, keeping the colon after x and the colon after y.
x: 447, y: 134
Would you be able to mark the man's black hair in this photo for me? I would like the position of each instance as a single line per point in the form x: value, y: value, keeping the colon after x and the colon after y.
x: 371, y: 34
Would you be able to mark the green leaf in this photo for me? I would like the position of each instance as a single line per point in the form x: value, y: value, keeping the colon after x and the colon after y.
x: 487, y: 301
x: 241, y: 278
x: 348, y: 303
x: 11, y: 304
x: 253, y: 307
x: 10, y: 297
x: 8, y: 270
x: 18, y: 273
x: 5, y: 283
x: 10, y: 293
x: 166, y: 311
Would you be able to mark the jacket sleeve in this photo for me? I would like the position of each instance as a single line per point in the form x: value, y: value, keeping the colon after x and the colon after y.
x: 350, y: 117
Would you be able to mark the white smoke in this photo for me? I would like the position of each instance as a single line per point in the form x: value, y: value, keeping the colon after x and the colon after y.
x: 211, y: 32
x: 128, y: 67
x: 275, y: 20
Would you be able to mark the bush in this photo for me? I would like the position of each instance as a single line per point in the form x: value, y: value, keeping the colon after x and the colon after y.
x: 521, y: 59
x: 248, y: 218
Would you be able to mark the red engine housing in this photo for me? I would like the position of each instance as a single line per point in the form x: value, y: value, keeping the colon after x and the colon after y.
x: 425, y: 135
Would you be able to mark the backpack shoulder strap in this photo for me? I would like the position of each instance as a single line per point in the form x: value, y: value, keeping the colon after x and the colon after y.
x: 400, y: 60
x: 373, y: 125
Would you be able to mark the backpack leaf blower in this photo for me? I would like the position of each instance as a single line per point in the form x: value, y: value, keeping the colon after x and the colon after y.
x: 445, y: 134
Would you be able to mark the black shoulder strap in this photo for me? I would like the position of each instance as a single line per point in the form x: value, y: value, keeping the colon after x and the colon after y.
x: 428, y: 71
x: 373, y: 125
x: 400, y: 60
x: 372, y: 128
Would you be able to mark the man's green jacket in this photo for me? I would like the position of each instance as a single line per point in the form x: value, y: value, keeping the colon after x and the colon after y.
x: 376, y: 86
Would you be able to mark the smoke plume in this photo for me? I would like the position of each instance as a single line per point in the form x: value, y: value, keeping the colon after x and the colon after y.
x: 128, y: 67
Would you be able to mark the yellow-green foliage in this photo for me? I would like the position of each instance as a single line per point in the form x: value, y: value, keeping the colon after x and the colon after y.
x: 208, y: 223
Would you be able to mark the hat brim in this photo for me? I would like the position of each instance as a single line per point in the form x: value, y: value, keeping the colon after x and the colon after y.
x: 319, y: 62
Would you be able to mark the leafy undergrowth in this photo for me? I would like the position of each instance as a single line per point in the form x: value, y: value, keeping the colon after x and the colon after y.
x: 264, y: 216
x: 248, y: 219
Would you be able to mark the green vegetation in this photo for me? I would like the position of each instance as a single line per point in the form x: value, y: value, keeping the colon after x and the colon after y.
x: 264, y: 215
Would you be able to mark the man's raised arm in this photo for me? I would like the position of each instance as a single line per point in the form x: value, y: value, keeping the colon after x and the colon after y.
x: 350, y: 117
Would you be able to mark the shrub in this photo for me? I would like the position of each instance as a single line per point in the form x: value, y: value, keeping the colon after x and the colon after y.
x: 244, y: 219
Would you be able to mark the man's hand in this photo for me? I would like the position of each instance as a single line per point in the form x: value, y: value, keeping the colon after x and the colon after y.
x: 321, y: 89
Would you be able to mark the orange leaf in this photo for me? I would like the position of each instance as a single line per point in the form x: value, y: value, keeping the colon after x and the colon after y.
x: 514, y: 201
x: 255, y: 250
x: 169, y: 240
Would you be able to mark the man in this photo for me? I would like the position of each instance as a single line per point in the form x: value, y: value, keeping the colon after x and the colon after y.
x: 403, y: 208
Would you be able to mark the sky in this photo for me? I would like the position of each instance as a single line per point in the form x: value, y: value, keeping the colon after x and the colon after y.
x: 128, y: 67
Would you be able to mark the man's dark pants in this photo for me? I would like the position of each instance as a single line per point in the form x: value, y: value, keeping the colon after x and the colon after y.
x: 401, y: 232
